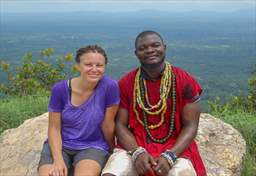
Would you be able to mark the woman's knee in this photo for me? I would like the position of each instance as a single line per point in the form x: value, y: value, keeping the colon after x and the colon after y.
x: 87, y: 167
x: 43, y: 170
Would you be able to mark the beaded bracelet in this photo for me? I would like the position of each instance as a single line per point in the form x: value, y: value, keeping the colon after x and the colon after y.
x: 170, y: 157
x: 130, y: 152
x: 172, y: 154
x: 137, y: 152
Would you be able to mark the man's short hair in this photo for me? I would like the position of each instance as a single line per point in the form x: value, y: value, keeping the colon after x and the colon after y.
x: 145, y: 33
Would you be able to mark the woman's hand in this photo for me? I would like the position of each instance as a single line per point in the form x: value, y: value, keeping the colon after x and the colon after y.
x: 162, y: 168
x: 58, y: 168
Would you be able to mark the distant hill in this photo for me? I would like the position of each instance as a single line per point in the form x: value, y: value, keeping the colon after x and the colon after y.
x: 218, y: 48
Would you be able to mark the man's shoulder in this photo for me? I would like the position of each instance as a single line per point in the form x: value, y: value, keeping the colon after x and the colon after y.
x: 179, y: 72
x: 130, y: 75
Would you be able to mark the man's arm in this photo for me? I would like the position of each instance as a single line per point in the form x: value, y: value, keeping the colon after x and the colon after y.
x: 190, y: 120
x: 127, y: 140
x: 124, y: 135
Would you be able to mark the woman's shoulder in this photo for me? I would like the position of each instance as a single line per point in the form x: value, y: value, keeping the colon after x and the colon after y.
x: 108, y: 83
x: 107, y: 80
x: 60, y: 84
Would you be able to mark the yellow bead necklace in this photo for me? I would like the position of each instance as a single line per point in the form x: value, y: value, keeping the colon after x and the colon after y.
x: 142, y: 97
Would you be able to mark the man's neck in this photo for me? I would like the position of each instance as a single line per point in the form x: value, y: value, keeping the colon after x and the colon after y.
x: 153, y: 73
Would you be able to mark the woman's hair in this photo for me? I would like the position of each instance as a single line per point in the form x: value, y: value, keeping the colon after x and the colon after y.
x: 90, y: 49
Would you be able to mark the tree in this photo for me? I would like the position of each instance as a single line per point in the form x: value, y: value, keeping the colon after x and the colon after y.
x: 33, y: 76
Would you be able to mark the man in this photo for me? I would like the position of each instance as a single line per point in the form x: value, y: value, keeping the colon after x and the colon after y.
x: 158, y: 117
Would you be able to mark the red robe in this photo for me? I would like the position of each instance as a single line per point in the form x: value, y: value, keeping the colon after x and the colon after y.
x: 187, y: 90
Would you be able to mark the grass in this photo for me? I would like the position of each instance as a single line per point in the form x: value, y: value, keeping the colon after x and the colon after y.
x: 15, y: 110
x: 245, y: 122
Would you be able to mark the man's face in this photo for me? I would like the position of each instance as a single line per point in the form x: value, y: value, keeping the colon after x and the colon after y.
x: 150, y: 51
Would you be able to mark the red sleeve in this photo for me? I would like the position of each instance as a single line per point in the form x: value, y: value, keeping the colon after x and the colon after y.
x: 126, y: 87
x: 189, y: 87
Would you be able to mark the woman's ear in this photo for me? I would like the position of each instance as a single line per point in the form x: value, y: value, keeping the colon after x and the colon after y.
x: 77, y: 67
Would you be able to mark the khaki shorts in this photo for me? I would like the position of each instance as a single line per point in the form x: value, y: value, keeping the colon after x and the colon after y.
x: 120, y: 164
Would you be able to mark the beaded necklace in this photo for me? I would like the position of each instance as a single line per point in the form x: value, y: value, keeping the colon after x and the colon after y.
x: 165, y: 87
x: 140, y: 96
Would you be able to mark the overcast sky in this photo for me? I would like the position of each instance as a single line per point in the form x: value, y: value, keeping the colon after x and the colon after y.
x: 122, y: 5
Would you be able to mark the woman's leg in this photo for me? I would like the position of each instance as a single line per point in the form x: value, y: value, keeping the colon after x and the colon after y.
x: 46, y: 160
x: 87, y: 167
x: 44, y: 170
x: 89, y: 162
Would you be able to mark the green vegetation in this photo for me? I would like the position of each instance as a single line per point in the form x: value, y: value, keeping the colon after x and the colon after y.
x: 240, y: 112
x: 33, y: 76
x: 14, y: 109
x: 26, y: 94
x: 245, y: 122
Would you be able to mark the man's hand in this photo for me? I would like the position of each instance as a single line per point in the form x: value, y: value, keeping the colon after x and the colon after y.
x: 144, y: 163
x: 162, y: 168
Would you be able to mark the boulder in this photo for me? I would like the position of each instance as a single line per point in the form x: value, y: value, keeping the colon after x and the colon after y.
x: 221, y: 146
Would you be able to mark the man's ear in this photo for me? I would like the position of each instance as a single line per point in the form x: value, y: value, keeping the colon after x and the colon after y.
x: 135, y: 52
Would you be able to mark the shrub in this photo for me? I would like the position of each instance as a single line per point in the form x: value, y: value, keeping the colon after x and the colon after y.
x: 240, y: 112
x: 34, y: 76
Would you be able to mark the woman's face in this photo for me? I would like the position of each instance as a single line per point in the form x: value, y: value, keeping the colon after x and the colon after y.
x: 91, y: 67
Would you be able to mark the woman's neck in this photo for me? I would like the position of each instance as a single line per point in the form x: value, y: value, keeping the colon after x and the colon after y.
x: 85, y: 85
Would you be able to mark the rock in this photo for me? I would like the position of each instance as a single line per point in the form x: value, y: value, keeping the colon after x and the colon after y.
x: 221, y: 146
x: 21, y: 147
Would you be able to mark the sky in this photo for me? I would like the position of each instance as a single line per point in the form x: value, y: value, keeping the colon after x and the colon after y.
x: 23, y: 6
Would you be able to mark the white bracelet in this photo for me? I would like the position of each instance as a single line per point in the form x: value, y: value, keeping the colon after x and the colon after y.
x: 137, y: 152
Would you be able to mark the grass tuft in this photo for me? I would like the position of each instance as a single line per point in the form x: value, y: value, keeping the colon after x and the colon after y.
x: 15, y: 110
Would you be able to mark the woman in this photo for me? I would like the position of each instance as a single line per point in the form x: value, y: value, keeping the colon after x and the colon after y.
x: 81, y: 118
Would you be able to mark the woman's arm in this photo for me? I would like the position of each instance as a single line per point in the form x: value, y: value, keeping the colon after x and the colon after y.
x: 55, y: 142
x: 54, y: 136
x: 108, y: 125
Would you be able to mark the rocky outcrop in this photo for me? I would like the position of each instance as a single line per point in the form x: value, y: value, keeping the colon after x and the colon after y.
x: 221, y: 146
x: 21, y: 147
